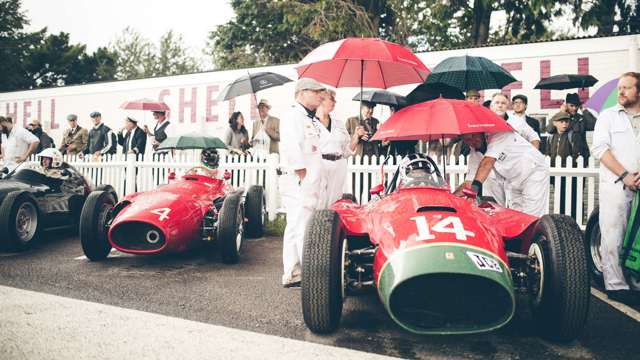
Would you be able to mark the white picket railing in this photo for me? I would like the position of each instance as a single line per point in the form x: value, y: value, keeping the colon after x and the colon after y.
x: 128, y: 174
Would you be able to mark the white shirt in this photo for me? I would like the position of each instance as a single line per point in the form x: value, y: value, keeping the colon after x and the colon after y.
x: 516, y: 159
x: 519, y: 124
x: 16, y: 144
x: 614, y: 132
x: 300, y: 138
x: 336, y: 141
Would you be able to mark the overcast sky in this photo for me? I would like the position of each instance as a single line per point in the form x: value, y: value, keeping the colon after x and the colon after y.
x: 96, y: 23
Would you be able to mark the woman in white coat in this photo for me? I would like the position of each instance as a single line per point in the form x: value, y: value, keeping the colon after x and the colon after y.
x: 335, y: 146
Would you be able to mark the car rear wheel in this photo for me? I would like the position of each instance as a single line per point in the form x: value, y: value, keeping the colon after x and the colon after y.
x: 323, y: 272
x: 94, y: 225
x: 255, y: 211
x: 109, y: 189
x: 592, y: 238
x: 231, y: 229
x: 558, y: 278
x: 19, y: 220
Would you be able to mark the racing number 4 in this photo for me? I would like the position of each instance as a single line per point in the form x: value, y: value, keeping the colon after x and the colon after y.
x: 163, y: 213
x: 451, y: 224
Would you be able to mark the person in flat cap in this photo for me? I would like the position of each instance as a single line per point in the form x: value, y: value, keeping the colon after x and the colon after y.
x: 101, y: 139
x: 161, y: 130
x: 519, y: 103
x: 35, y: 126
x: 473, y: 96
x: 132, y: 139
x: 266, y: 130
x: 581, y: 121
x: 75, y: 138
x: 301, y: 179
x: 365, y: 126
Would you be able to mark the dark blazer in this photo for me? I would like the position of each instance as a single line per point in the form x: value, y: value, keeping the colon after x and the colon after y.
x: 138, y: 144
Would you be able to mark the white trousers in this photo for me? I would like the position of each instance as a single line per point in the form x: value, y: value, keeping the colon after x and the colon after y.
x: 335, y: 174
x: 615, y: 205
x: 300, y: 200
x: 532, y: 196
x: 495, y: 186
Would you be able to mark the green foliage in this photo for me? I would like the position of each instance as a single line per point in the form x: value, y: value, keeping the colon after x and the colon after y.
x: 138, y: 57
x: 608, y: 16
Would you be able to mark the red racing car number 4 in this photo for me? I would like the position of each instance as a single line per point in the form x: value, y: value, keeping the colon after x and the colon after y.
x: 451, y: 224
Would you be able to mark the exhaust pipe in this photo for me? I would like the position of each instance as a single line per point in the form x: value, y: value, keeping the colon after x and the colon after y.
x: 447, y: 289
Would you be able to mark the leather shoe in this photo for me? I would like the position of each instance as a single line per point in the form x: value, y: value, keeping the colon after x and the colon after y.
x: 627, y: 297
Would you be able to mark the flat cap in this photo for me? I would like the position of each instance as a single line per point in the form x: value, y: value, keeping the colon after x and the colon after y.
x: 561, y: 116
x: 308, y: 84
x: 95, y: 114
x: 72, y: 117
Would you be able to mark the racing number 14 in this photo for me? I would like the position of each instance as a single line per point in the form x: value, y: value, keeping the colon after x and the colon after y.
x: 451, y: 224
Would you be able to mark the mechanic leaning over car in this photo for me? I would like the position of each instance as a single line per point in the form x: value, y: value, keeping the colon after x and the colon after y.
x: 616, y: 143
x: 17, y: 143
x: 301, y: 178
x: 516, y: 163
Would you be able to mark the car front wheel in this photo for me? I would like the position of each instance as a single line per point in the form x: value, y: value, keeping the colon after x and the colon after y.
x: 94, y: 225
x: 19, y: 221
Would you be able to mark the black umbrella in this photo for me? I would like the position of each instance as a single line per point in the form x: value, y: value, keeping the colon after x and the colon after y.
x: 566, y: 81
x: 382, y: 97
x: 251, y: 83
x: 425, y: 92
x: 470, y: 73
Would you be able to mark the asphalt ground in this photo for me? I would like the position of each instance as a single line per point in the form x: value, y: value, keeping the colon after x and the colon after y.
x: 248, y: 296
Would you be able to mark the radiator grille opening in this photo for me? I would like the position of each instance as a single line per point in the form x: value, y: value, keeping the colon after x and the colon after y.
x: 137, y: 235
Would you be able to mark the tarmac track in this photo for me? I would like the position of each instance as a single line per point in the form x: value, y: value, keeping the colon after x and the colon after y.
x: 248, y: 296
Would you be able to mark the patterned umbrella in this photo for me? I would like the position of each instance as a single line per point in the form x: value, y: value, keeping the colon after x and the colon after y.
x: 251, y: 83
x: 470, y: 73
x: 192, y: 141
x: 605, y: 97
x: 145, y: 104
x: 566, y: 81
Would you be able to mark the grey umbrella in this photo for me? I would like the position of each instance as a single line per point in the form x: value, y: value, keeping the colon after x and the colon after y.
x: 382, y: 97
x: 251, y: 83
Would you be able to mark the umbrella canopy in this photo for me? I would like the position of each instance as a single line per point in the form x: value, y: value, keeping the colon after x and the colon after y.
x: 251, y: 83
x: 440, y: 118
x: 605, y: 97
x: 362, y: 62
x: 470, y: 73
x: 382, y: 97
x: 566, y: 81
x: 145, y: 104
x: 425, y: 92
x: 192, y: 141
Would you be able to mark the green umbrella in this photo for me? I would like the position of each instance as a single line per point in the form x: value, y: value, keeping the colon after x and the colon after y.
x: 192, y: 141
x: 470, y: 73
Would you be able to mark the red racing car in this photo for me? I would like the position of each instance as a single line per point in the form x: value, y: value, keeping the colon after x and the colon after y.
x: 194, y: 211
x: 443, y: 264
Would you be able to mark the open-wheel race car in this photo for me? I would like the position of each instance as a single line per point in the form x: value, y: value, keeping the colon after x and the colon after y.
x: 444, y: 264
x: 194, y: 211
x: 31, y: 202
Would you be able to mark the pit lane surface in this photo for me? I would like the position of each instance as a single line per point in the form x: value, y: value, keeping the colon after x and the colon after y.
x: 248, y: 296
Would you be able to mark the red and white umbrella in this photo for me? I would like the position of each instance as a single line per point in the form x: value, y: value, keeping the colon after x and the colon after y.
x: 362, y: 62
x: 145, y: 104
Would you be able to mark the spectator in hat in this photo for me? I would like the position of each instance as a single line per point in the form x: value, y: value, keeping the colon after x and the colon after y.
x: 237, y: 137
x: 267, y: 125
x: 519, y: 104
x: 75, y: 138
x: 365, y: 126
x: 45, y: 140
x: 580, y: 123
x: 101, y: 139
x: 17, y: 143
x: 473, y: 96
x: 161, y: 130
x: 132, y: 138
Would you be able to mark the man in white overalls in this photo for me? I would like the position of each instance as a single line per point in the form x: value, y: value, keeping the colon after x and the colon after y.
x: 616, y: 143
x: 301, y: 181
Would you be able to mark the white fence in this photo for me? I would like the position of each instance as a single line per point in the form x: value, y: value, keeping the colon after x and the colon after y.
x: 128, y: 174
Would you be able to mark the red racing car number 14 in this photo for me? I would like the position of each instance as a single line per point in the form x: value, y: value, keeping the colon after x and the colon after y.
x: 451, y: 224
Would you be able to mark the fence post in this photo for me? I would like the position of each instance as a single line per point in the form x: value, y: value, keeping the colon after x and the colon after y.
x: 131, y: 174
x: 271, y: 182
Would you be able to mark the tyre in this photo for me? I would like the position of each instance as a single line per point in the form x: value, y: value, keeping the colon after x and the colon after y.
x: 231, y: 229
x: 592, y: 237
x: 110, y: 189
x: 19, y: 220
x: 349, y: 196
x: 94, y: 220
x: 558, y: 278
x: 323, y: 277
x: 254, y: 207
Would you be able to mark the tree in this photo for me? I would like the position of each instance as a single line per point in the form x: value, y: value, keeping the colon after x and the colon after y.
x: 138, y: 57
x: 608, y: 16
x: 14, y: 45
